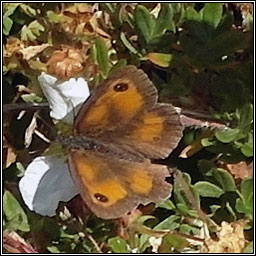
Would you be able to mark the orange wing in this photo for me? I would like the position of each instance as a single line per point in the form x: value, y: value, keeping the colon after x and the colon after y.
x: 115, y: 102
x: 154, y: 133
x: 124, y: 110
x: 112, y: 187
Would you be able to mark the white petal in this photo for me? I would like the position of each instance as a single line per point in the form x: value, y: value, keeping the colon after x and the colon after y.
x: 64, y: 97
x: 46, y: 182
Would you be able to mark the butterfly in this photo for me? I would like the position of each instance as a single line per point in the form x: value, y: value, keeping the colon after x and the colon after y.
x: 118, y: 131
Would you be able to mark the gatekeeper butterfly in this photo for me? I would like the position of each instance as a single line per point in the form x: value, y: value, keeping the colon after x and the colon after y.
x: 118, y: 130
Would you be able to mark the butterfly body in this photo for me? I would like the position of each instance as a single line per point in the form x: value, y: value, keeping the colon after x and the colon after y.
x: 118, y: 130
x: 83, y: 143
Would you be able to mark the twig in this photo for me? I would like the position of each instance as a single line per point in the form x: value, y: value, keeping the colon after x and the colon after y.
x: 25, y: 106
x: 94, y: 243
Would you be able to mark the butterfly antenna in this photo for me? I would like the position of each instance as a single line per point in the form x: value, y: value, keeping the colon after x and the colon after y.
x: 53, y: 130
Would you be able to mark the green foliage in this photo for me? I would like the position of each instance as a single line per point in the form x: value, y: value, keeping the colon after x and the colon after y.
x: 102, y: 56
x: 244, y: 204
x: 16, y: 218
x: 199, y: 56
x: 32, y: 31
x: 118, y: 245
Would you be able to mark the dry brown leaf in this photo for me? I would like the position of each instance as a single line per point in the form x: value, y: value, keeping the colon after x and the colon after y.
x: 30, y: 131
x: 240, y: 170
x: 12, y: 46
x: 13, y: 243
x: 230, y: 239
x: 32, y: 51
x: 9, y: 155
x: 66, y: 63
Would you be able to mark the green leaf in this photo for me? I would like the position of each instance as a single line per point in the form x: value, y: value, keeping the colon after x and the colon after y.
x: 144, y: 22
x: 36, y: 28
x: 212, y: 13
x: 57, y: 18
x: 164, y: 20
x: 225, y: 179
x: 248, y: 248
x: 214, y: 208
x: 247, y: 189
x: 227, y: 136
x: 7, y: 25
x: 32, y: 31
x: 245, y: 203
x: 185, y: 209
x: 192, y: 14
x: 14, y: 213
x: 231, y: 211
x: 28, y: 10
x: 9, y: 9
x: 102, y: 56
x: 187, y: 229
x: 207, y: 142
x: 246, y: 116
x: 167, y: 204
x: 31, y: 98
x: 160, y: 59
x: 206, y: 167
x: 127, y: 43
x: 172, y: 242
x: 170, y: 223
x: 118, y: 245
x: 247, y: 149
x: 207, y: 189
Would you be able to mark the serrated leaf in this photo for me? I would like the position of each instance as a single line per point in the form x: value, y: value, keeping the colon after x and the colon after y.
x: 57, y: 18
x: 31, y: 98
x: 36, y: 27
x: 212, y: 13
x: 118, y: 245
x: 32, y: 31
x: 102, y: 56
x: 227, y: 136
x: 144, y: 22
x: 9, y: 8
x: 28, y: 10
x: 14, y: 213
x: 207, y: 189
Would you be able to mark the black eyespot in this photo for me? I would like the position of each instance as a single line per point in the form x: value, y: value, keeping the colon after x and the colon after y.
x: 121, y: 87
x: 101, y: 197
x: 156, y: 139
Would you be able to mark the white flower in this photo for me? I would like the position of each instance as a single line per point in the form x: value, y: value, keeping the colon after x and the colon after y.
x: 46, y: 182
x: 47, y: 179
x: 64, y: 97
